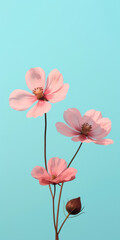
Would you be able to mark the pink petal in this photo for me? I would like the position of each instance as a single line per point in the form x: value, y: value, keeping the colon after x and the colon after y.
x: 58, y: 95
x: 102, y: 128
x: 56, y: 166
x: 88, y: 140
x: 80, y: 138
x: 67, y: 175
x: 21, y: 100
x: 105, y: 125
x: 39, y: 109
x: 35, y: 77
x: 96, y: 131
x: 89, y: 120
x: 54, y: 81
x: 104, y: 141
x: 73, y: 118
x: 38, y: 172
x: 65, y: 130
x: 95, y: 115
x: 44, y: 181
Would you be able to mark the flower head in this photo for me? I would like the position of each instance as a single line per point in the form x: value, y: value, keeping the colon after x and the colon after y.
x: 54, y: 91
x: 57, y: 172
x: 73, y: 206
x: 92, y: 127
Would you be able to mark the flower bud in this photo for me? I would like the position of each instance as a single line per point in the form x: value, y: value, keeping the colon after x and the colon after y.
x: 74, y: 206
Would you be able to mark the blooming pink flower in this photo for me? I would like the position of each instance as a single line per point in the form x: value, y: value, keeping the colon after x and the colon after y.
x: 57, y: 172
x: 92, y: 127
x: 54, y: 91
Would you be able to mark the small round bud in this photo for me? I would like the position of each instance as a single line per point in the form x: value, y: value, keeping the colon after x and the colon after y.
x: 73, y: 206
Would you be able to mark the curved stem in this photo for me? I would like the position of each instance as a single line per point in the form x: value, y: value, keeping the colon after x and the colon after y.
x: 62, y: 185
x: 63, y: 222
x: 74, y: 155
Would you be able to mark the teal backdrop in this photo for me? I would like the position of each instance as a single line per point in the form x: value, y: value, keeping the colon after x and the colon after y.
x: 82, y: 40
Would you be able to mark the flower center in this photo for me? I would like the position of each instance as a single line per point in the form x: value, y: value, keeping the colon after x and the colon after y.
x: 53, y: 177
x: 38, y: 92
x: 86, y: 128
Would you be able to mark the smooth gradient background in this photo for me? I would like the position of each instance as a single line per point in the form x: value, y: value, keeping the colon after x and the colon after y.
x: 82, y: 40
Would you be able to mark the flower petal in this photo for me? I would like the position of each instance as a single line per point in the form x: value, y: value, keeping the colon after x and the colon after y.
x: 73, y: 118
x: 21, y: 100
x: 65, y: 130
x: 56, y: 166
x: 54, y: 81
x: 39, y: 109
x: 67, y: 175
x: 96, y: 131
x: 95, y: 115
x: 58, y: 95
x: 80, y: 138
x: 105, y: 125
x: 35, y: 77
x: 38, y: 172
x: 89, y: 120
x: 45, y: 181
x: 88, y: 140
x: 102, y: 128
x: 104, y: 141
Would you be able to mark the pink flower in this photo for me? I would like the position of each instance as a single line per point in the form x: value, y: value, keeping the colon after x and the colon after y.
x: 92, y: 127
x: 57, y: 172
x: 54, y: 91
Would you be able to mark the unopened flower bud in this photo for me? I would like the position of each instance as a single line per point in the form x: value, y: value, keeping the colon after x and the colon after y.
x: 74, y: 206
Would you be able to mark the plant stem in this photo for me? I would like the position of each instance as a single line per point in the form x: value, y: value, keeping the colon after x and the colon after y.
x: 63, y: 222
x: 45, y: 158
x: 45, y: 141
x: 74, y: 155
x: 59, y: 205
x: 52, y: 194
x: 62, y: 186
x: 53, y: 197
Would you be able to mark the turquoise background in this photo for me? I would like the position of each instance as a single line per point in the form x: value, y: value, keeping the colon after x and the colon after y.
x: 82, y: 40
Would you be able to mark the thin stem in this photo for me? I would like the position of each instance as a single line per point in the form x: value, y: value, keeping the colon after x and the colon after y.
x: 45, y: 158
x: 63, y: 222
x: 45, y: 141
x: 59, y: 205
x: 62, y: 185
x: 52, y: 194
x: 53, y: 197
x: 50, y: 190
x: 74, y: 155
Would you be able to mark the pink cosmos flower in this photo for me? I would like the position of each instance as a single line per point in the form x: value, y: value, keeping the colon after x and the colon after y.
x: 57, y: 172
x: 92, y: 127
x: 54, y: 91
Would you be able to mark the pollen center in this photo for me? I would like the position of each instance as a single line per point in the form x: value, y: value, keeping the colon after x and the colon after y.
x: 53, y: 177
x: 86, y: 128
x: 38, y: 92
